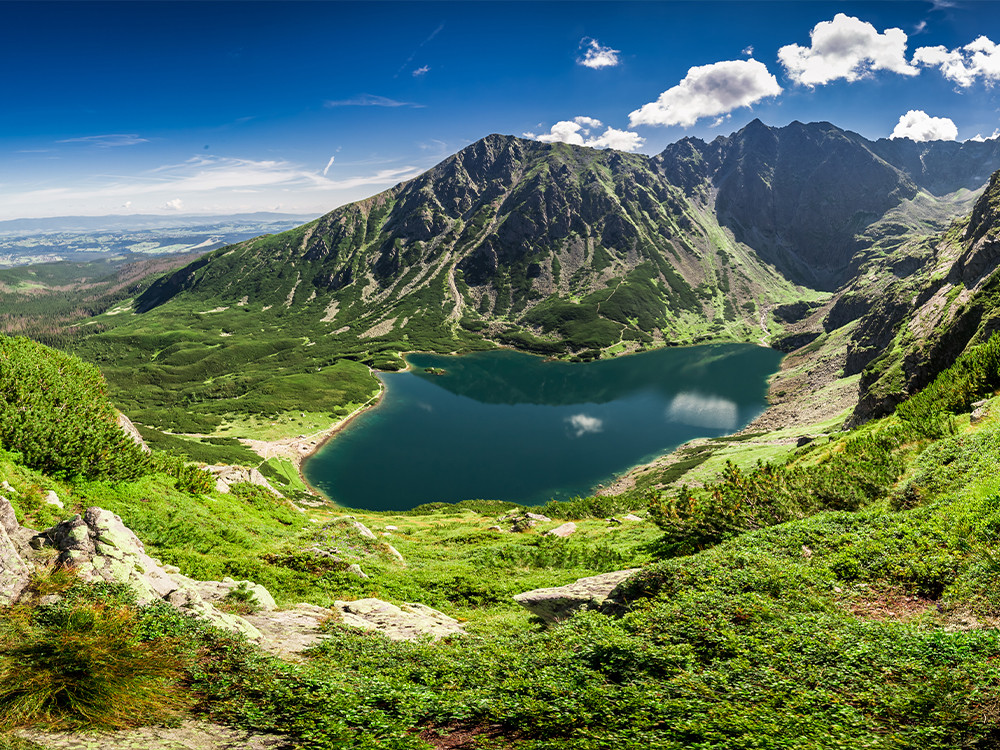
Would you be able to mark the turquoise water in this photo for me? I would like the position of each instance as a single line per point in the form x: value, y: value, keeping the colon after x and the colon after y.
x: 508, y: 426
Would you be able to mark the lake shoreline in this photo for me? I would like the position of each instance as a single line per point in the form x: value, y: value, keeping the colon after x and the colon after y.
x: 300, y: 449
x: 616, y: 481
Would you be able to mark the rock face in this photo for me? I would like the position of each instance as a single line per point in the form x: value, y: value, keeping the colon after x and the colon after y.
x: 559, y: 602
x: 400, y: 624
x: 15, y: 573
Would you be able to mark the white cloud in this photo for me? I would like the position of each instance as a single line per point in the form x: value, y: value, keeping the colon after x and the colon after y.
x: 112, y: 140
x: 596, y: 56
x: 201, y: 184
x: 917, y: 125
x: 847, y: 48
x: 703, y: 411
x: 578, y: 132
x: 979, y: 138
x: 584, y: 424
x: 708, y: 91
x: 421, y: 71
x: 978, y: 59
x: 748, y: 50
x: 619, y: 140
x: 328, y: 165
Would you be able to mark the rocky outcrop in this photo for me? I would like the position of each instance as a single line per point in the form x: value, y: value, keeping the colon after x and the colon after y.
x: 100, y: 548
x: 559, y: 602
x: 15, y: 573
x: 408, y: 622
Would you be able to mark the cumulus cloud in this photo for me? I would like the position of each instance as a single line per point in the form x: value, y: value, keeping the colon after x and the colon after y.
x: 703, y: 411
x: 596, y: 55
x: 619, y: 140
x: 578, y: 132
x: 174, y: 205
x: 847, y: 48
x: 979, y: 137
x: 917, y: 125
x: 978, y: 59
x: 708, y: 91
x: 583, y: 424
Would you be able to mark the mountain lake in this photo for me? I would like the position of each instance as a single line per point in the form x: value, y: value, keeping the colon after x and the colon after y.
x: 508, y: 426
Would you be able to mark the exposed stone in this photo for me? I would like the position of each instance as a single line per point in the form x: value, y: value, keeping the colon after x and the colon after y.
x: 395, y: 553
x: 288, y: 632
x: 102, y: 548
x: 229, y: 475
x: 631, y: 517
x: 53, y: 499
x: 15, y: 573
x: 408, y: 622
x: 980, y: 410
x: 355, y: 570
x: 562, y: 531
x: 496, y: 528
x: 8, y: 519
x: 538, y: 517
x: 362, y: 529
x: 187, y: 735
x: 559, y: 602
x: 392, y: 528
x: 130, y: 429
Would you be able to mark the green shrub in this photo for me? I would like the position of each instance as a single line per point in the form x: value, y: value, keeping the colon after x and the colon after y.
x: 55, y: 412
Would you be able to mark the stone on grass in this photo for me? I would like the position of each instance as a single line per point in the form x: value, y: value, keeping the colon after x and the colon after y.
x: 562, y: 531
x: 559, y: 602
x: 53, y: 499
x: 355, y: 570
x: 409, y: 622
x: 631, y: 517
x: 395, y: 553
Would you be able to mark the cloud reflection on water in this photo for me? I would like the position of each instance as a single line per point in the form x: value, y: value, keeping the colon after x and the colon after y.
x: 584, y: 424
x: 703, y: 411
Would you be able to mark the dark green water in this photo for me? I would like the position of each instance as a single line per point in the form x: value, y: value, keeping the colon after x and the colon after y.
x: 508, y: 426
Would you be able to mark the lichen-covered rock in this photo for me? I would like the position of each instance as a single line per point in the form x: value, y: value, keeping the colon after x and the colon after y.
x: 15, y: 572
x: 408, y: 622
x: 559, y: 602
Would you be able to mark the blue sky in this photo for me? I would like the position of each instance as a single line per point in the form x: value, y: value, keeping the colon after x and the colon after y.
x: 136, y: 107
